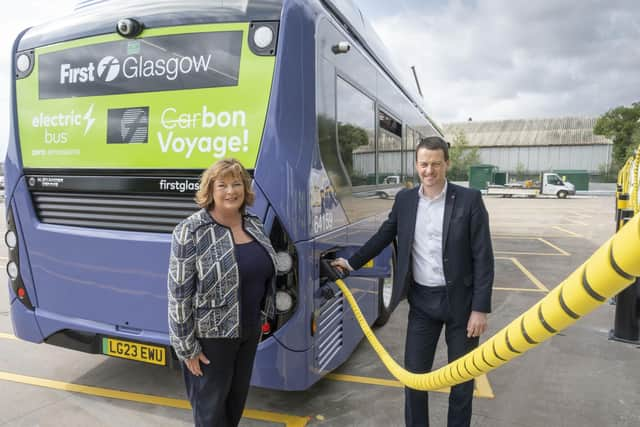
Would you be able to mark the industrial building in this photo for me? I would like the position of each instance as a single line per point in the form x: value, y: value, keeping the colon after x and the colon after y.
x: 537, y: 144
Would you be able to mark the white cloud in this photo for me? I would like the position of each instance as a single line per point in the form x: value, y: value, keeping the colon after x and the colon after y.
x: 500, y: 59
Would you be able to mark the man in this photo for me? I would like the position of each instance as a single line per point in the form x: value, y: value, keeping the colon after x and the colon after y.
x: 445, y: 267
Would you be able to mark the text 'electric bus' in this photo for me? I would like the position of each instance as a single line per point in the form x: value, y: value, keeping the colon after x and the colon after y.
x: 117, y: 109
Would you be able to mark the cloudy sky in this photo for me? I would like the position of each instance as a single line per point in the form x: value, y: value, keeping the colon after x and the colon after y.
x: 505, y: 59
x: 485, y: 59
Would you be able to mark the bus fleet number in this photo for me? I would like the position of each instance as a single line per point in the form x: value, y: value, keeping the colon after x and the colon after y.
x: 322, y: 222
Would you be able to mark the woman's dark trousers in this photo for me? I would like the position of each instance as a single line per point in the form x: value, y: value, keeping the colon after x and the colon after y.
x: 218, y: 397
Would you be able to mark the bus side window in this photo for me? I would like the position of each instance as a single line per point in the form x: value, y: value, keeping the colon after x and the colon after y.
x: 356, y: 130
x: 389, y: 150
x: 327, y: 138
x: 352, y: 168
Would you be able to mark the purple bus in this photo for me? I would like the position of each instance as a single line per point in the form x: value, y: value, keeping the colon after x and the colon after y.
x: 116, y: 112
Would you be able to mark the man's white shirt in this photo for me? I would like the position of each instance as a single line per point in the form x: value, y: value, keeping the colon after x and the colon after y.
x: 427, y: 243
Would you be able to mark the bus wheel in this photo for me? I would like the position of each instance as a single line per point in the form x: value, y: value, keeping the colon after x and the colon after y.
x: 562, y: 194
x: 385, y: 292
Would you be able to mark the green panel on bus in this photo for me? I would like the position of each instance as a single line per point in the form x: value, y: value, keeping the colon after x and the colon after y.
x: 179, y: 98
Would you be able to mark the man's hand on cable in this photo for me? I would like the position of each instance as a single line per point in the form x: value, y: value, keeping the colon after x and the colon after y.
x: 341, y: 264
x: 193, y: 365
x: 477, y: 324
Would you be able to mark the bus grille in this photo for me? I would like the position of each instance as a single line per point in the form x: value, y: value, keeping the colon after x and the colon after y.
x: 115, y: 212
x: 330, y: 331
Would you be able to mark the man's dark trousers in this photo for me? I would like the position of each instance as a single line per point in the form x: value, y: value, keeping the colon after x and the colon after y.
x: 428, y: 312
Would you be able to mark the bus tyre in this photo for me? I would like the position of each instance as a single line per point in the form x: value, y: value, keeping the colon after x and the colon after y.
x: 385, y: 293
x: 562, y: 194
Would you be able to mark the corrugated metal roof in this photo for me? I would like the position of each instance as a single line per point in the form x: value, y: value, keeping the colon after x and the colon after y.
x: 534, y: 132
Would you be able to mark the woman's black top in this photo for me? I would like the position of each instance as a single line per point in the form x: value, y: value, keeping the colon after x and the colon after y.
x: 256, y: 270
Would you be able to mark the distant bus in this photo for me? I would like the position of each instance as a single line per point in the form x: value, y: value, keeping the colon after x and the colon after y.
x: 117, y: 109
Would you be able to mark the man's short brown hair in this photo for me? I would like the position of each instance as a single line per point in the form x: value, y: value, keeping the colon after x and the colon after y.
x: 434, y: 143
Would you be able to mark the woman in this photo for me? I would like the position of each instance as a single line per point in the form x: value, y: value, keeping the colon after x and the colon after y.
x: 221, y: 271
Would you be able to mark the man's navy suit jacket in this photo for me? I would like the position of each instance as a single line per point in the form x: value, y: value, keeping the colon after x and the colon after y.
x: 467, y: 256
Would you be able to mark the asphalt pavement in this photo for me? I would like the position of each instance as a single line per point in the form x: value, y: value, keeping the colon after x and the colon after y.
x: 577, y: 378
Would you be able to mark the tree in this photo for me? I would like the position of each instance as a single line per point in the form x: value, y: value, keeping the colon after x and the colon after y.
x: 351, y: 137
x: 462, y: 157
x: 605, y: 173
x: 520, y: 171
x: 622, y: 126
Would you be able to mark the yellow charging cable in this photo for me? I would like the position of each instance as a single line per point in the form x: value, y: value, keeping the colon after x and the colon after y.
x: 636, y: 182
x: 623, y: 175
x: 613, y: 267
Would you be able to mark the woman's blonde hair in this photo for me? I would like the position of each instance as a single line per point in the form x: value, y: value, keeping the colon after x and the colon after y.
x: 220, y: 170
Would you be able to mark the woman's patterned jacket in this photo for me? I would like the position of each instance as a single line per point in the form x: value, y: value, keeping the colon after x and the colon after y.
x: 204, y: 283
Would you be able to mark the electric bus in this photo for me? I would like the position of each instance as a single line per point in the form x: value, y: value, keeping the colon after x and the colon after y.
x: 119, y: 107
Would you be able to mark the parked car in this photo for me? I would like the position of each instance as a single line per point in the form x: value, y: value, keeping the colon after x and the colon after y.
x: 392, y: 184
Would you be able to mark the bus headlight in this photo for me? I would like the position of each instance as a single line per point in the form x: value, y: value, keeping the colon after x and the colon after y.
x: 263, y: 37
x: 12, y: 270
x: 10, y: 239
x: 284, y: 302
x: 284, y: 262
x: 23, y: 63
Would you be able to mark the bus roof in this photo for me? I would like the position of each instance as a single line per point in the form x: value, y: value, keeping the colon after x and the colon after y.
x: 351, y: 16
x: 94, y: 17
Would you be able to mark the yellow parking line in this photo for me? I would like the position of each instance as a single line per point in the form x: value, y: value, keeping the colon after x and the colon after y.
x: 8, y: 336
x: 482, y: 387
x: 531, y: 277
x: 512, y: 236
x: 528, y: 253
x: 562, y: 251
x: 287, y: 420
x: 495, y: 288
x: 540, y: 286
x: 529, y: 226
x: 364, y: 380
x: 571, y: 233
